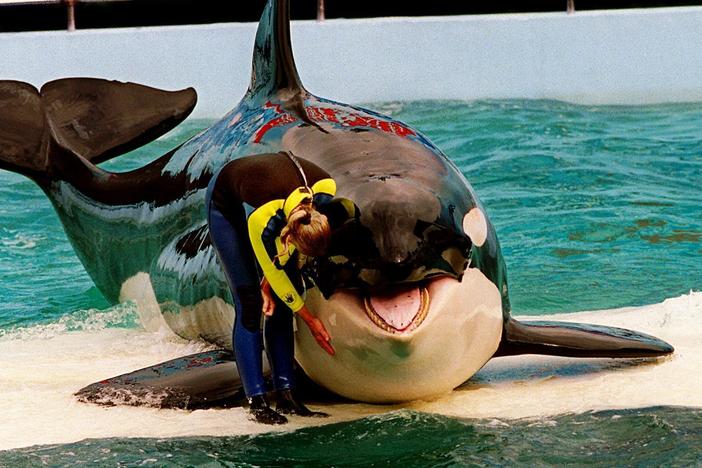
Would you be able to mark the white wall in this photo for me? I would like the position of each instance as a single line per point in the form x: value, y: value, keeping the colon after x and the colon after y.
x: 626, y: 56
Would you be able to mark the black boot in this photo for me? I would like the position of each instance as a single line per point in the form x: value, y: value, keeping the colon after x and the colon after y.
x: 288, y: 404
x: 263, y: 413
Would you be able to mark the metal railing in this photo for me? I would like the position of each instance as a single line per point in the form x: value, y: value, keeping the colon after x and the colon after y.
x: 320, y: 10
x: 71, y: 8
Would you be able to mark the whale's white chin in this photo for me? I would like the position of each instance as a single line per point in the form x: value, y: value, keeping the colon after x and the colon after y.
x: 411, y: 344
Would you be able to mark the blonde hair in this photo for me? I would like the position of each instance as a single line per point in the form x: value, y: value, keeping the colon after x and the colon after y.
x: 308, y: 230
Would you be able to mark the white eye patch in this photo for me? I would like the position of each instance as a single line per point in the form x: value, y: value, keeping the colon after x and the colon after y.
x: 475, y: 226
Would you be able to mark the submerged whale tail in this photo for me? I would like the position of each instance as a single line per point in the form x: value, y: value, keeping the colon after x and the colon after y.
x: 43, y: 133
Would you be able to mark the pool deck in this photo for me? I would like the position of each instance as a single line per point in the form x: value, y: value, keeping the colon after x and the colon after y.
x: 598, y: 57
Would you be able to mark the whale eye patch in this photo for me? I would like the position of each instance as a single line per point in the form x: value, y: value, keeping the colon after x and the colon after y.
x: 475, y: 226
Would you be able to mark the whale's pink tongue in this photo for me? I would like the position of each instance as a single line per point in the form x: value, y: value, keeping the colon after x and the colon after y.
x: 397, y: 308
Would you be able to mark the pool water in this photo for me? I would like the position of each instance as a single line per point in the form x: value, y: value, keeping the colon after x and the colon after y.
x: 595, y: 208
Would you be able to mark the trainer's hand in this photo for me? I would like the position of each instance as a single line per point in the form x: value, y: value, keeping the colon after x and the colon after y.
x: 317, y: 329
x: 268, y: 302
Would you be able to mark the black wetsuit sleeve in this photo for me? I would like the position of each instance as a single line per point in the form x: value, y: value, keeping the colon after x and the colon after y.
x: 258, y: 179
x: 338, y: 211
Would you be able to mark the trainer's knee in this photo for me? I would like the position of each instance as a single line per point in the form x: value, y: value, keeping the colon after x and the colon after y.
x: 251, y: 305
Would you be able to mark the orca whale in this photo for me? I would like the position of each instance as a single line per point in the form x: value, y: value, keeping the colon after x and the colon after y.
x: 414, y: 292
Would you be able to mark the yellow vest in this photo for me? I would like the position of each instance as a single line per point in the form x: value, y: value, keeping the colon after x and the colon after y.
x: 265, y: 224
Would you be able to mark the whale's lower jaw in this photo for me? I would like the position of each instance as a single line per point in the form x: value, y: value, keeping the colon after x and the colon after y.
x: 460, y: 333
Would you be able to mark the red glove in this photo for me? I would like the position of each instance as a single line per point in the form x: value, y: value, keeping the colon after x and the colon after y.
x: 317, y: 329
x: 267, y: 294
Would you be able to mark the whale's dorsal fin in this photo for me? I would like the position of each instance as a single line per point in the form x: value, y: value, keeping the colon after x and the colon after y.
x: 577, y: 340
x: 273, y: 62
x: 99, y: 119
x: 91, y: 118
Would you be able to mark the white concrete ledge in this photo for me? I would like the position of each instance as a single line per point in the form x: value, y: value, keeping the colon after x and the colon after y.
x: 612, y: 57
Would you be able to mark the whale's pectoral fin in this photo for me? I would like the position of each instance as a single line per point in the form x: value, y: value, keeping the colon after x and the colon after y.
x: 203, y: 380
x: 578, y: 340
x: 99, y: 119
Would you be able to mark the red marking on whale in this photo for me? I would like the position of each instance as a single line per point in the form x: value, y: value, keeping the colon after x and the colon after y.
x: 328, y: 114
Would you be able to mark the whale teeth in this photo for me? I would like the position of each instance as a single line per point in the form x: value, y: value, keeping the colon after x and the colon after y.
x: 422, y: 313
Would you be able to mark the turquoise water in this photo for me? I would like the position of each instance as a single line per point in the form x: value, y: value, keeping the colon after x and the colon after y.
x: 595, y: 208
x: 647, y: 437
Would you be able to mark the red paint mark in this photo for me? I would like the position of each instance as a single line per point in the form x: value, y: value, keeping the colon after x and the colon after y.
x: 277, y: 122
x: 328, y: 114
x: 278, y: 108
x: 322, y: 114
x: 198, y: 362
x: 355, y: 120
x: 401, y: 130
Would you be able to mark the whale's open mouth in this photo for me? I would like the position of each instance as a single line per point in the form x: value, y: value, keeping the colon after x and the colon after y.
x: 399, y: 310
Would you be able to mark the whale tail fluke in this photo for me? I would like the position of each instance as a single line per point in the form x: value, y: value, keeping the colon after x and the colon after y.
x: 578, y: 340
x: 24, y: 141
x: 93, y: 119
